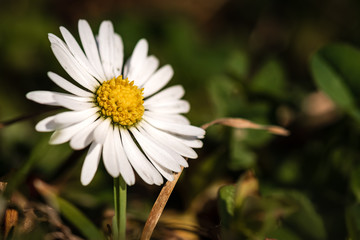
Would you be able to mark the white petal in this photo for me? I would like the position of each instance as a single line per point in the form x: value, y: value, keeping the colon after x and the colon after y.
x: 73, y: 103
x: 170, y: 107
x: 46, y: 125
x: 190, y: 141
x: 125, y: 168
x: 158, y: 80
x: 66, y: 85
x: 118, y: 56
x: 139, y: 162
x: 137, y: 59
x: 54, y: 98
x: 171, y: 93
x: 106, y: 47
x: 70, y: 64
x: 90, y: 47
x: 153, y: 150
x: 91, y: 163
x: 126, y: 68
x: 176, y: 128
x: 84, y: 137
x: 164, y: 150
x: 71, y: 117
x: 169, y: 140
x: 102, y: 130
x: 43, y: 97
x: 167, y: 174
x: 147, y: 69
x: 109, y: 155
x: 176, y: 118
x: 65, y: 134
x: 78, y: 53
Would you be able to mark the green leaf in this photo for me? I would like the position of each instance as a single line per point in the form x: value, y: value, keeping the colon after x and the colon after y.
x: 43, y: 156
x: 355, y: 183
x: 353, y: 221
x: 345, y: 59
x: 241, y: 157
x: 78, y: 219
x: 330, y: 82
x: 270, y: 80
x: 50, y: 159
x: 288, y: 171
x: 256, y: 138
x: 226, y: 201
x: 205, y: 172
x: 306, y: 220
x: 227, y: 96
x: 238, y: 64
x: 283, y: 233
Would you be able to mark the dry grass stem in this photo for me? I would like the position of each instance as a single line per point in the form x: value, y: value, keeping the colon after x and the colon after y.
x: 243, y: 123
x: 26, y: 117
x: 158, y: 207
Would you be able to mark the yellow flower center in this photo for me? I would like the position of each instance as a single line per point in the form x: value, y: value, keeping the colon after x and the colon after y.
x: 120, y: 100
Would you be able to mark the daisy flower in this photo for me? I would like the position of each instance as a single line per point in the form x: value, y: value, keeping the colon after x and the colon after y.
x: 118, y: 110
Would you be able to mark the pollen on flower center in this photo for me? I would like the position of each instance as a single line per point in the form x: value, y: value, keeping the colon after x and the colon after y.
x: 120, y: 100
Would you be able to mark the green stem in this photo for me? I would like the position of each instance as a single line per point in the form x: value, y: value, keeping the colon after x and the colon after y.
x: 120, y: 208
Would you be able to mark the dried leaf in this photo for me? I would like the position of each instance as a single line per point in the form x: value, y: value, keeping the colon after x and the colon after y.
x: 248, y: 185
x: 243, y: 123
x: 47, y: 191
x: 11, y: 220
x: 2, y: 186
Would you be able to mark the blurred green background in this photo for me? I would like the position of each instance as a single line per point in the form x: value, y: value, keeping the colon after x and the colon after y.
x: 295, y: 64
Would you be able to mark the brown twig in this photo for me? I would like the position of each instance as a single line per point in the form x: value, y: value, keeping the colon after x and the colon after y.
x: 158, y: 207
x: 15, y: 120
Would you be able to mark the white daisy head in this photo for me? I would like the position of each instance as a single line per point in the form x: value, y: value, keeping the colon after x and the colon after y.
x: 118, y: 110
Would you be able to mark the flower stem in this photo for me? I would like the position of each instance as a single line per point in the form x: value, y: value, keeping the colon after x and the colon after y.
x: 120, y: 209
